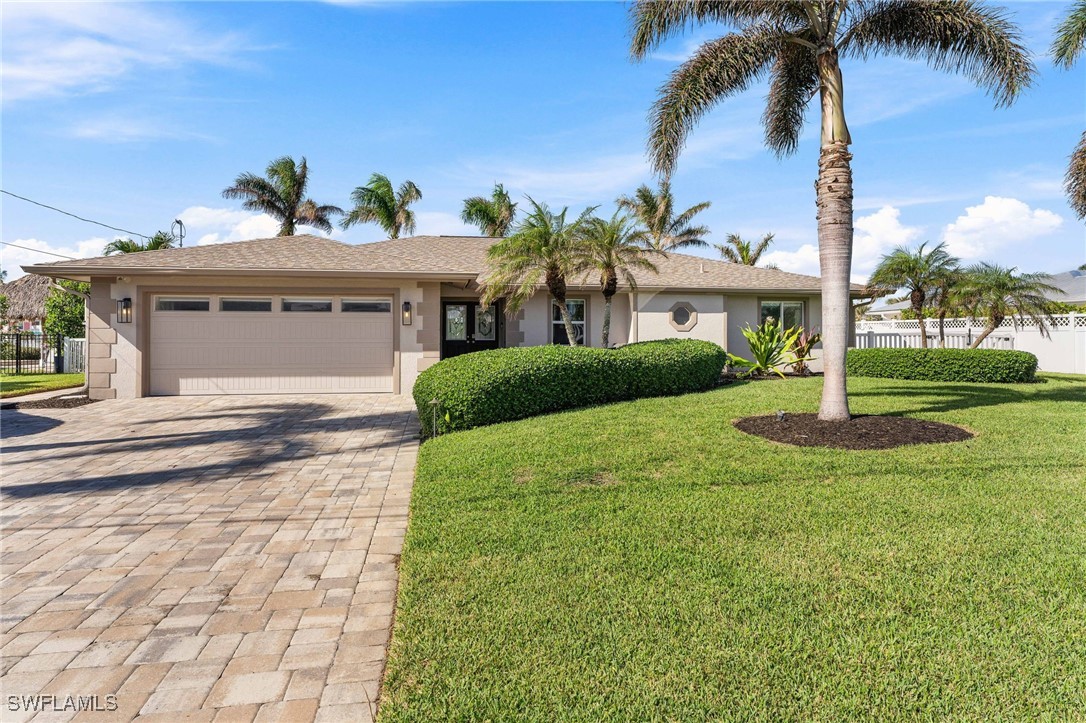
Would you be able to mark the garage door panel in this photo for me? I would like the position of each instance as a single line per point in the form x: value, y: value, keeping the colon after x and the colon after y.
x: 270, y: 352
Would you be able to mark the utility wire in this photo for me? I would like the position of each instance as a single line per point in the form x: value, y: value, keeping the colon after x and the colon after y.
x: 27, y: 248
x: 54, y: 208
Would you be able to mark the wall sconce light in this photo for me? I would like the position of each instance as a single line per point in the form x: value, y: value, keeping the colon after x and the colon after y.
x: 124, y: 311
x: 406, y: 315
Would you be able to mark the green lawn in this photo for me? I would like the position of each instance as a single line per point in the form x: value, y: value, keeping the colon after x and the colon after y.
x: 16, y: 385
x: 647, y: 561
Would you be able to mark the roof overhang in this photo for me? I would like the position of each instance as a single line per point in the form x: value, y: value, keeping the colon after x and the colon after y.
x: 77, y: 272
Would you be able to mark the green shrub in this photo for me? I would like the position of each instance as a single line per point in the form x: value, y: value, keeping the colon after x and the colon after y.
x: 944, y: 365
x: 488, y: 387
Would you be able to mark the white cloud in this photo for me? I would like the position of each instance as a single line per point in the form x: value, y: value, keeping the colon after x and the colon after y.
x: 118, y: 128
x: 61, y: 48
x: 875, y: 235
x: 37, y: 251
x: 221, y: 225
x: 996, y: 223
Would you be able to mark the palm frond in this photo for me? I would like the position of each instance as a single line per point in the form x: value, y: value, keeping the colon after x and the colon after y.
x: 653, y: 21
x: 960, y: 36
x: 1075, y: 179
x: 1070, y: 38
x: 793, y: 82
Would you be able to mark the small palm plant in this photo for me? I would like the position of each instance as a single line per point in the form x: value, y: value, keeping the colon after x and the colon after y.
x: 161, y: 240
x: 771, y: 349
x: 614, y: 249
x: 918, y: 272
x: 494, y: 216
x: 1000, y: 293
x: 281, y: 195
x: 738, y: 251
x: 543, y: 249
x: 667, y: 230
x: 378, y: 202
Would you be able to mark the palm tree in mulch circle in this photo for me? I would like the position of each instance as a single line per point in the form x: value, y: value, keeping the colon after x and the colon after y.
x: 161, y: 240
x: 494, y: 216
x: 997, y: 293
x: 380, y: 203
x: 667, y: 230
x: 1069, y: 43
x: 798, y: 45
x: 738, y: 251
x: 281, y: 195
x: 614, y: 249
x: 920, y: 273
x: 544, y: 248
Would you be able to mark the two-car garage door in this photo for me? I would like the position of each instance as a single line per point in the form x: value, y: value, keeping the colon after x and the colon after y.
x: 270, y: 344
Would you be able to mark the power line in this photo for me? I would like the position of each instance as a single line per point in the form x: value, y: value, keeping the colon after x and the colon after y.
x: 87, y: 220
x: 27, y: 248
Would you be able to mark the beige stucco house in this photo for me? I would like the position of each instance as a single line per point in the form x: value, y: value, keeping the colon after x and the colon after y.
x: 304, y: 314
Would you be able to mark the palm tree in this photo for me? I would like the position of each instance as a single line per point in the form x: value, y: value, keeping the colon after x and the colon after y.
x: 919, y: 272
x: 738, y: 251
x: 161, y: 240
x: 798, y: 43
x: 656, y: 211
x: 281, y: 195
x: 999, y: 293
x: 946, y: 298
x: 378, y: 202
x: 614, y: 249
x: 1069, y: 43
x: 542, y: 249
x: 494, y: 216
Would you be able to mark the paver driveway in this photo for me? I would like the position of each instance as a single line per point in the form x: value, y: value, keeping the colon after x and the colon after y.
x: 226, y: 558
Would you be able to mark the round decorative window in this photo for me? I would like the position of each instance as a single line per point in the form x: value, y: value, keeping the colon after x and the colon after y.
x: 683, y: 316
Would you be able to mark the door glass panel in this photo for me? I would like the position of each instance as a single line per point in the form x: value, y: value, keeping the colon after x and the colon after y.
x: 485, y: 326
x: 456, y: 322
x: 771, y: 310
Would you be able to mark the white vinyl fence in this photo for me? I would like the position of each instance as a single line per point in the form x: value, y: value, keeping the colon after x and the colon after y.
x: 1063, y: 350
x: 75, y: 355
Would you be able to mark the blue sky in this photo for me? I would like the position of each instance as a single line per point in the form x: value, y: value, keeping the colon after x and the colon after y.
x: 138, y: 113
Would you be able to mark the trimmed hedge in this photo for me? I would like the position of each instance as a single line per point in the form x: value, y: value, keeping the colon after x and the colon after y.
x: 1001, y: 366
x: 501, y: 385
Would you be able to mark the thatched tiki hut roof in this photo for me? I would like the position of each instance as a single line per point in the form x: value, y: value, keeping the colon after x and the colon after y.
x: 26, y: 297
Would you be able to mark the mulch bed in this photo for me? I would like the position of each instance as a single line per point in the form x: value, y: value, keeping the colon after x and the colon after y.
x: 54, y: 403
x: 862, y: 432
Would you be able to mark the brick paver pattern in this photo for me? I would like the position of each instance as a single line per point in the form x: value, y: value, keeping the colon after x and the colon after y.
x: 203, y: 558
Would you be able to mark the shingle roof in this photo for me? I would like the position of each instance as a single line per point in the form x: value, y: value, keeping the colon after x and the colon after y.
x: 26, y: 296
x: 438, y: 256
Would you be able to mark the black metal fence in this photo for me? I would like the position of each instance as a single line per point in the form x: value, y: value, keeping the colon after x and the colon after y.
x: 29, y: 353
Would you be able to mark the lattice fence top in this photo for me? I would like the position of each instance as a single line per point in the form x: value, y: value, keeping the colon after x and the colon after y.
x: 1057, y: 321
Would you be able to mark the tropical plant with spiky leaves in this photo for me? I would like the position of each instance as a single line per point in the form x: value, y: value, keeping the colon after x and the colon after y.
x: 614, y: 249
x: 544, y: 248
x: 161, y: 240
x: 771, y: 349
x: 494, y: 216
x: 380, y: 203
x: 997, y: 293
x: 667, y: 230
x: 798, y: 45
x: 281, y: 195
x: 1068, y: 45
x: 919, y: 273
x: 739, y: 251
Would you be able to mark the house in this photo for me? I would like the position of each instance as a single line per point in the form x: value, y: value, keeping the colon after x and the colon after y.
x: 303, y: 314
x: 1072, y: 284
x: 26, y: 303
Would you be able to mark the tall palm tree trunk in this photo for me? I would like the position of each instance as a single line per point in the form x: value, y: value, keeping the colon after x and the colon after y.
x: 994, y: 320
x: 606, y: 321
x: 557, y: 286
x: 918, y: 309
x: 942, y: 328
x: 834, y: 201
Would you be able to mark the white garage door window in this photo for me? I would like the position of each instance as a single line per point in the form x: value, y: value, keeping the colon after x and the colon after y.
x: 270, y: 344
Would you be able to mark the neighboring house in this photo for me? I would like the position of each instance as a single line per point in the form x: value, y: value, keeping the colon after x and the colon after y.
x: 302, y: 314
x: 884, y: 309
x: 1073, y: 284
x: 26, y: 302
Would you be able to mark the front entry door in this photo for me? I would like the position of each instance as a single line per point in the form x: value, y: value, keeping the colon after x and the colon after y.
x: 468, y: 327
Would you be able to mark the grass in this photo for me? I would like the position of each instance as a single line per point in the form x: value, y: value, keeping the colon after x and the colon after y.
x: 16, y: 385
x: 647, y: 561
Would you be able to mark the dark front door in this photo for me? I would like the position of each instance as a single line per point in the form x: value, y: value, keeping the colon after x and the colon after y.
x: 467, y: 327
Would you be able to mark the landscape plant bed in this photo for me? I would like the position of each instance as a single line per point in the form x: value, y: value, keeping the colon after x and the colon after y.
x: 861, y: 432
x: 54, y: 403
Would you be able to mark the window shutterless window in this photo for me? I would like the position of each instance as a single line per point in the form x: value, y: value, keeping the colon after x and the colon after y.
x: 166, y: 303
x: 245, y: 304
x: 307, y: 305
x: 369, y: 306
x: 786, y: 313
x: 576, y: 314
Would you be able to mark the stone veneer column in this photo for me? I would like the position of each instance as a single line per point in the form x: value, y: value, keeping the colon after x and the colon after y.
x: 100, y: 340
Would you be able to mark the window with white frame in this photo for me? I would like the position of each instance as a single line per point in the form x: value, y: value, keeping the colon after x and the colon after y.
x: 182, y: 303
x: 787, y: 314
x: 576, y: 308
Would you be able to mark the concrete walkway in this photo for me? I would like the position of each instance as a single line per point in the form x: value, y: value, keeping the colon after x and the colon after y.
x: 204, y: 559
